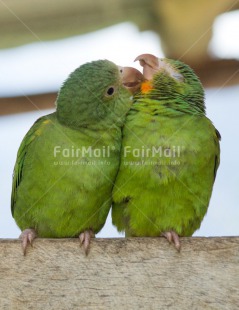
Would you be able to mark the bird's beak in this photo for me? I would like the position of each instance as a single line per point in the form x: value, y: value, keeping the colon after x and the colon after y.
x: 131, y: 78
x: 150, y: 64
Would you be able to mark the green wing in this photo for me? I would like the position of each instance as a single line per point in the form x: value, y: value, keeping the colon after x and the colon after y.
x: 32, y: 134
x: 217, y: 157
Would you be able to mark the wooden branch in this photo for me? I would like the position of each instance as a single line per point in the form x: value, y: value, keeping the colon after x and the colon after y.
x: 133, y: 273
x: 27, y: 103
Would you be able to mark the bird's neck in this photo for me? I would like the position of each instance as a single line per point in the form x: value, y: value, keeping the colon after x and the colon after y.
x: 169, y: 107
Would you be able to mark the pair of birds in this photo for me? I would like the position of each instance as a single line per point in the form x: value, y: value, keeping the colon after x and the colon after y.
x: 153, y: 155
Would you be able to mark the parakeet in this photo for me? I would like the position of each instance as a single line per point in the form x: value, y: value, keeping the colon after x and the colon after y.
x: 170, y: 155
x: 68, y: 160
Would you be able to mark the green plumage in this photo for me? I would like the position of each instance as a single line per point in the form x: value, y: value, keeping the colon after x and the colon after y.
x: 168, y: 190
x: 67, y: 162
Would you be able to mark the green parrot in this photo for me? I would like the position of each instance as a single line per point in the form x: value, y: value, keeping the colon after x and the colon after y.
x: 170, y: 155
x: 68, y: 160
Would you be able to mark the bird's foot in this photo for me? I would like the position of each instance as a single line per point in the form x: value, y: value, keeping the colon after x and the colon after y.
x: 27, y: 237
x: 172, y: 237
x: 85, y: 238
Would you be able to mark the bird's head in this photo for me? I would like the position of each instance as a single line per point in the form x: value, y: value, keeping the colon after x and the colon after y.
x: 97, y: 93
x: 172, y: 81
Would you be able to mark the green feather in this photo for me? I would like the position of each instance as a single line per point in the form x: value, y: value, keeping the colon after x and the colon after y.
x: 58, y: 190
x: 155, y: 192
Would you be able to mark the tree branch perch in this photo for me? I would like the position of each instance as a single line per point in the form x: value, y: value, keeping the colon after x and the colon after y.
x: 133, y: 273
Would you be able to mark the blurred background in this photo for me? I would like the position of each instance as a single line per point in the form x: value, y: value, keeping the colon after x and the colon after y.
x: 41, y: 42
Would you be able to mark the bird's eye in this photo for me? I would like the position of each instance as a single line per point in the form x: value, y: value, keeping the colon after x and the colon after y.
x: 110, y: 91
x: 178, y: 77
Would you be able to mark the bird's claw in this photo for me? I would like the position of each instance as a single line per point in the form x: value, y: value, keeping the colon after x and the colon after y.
x: 85, y: 238
x: 172, y: 237
x: 27, y: 237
